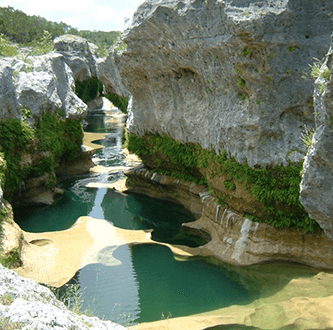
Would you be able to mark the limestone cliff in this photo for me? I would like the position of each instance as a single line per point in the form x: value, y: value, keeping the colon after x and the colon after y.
x: 316, y: 187
x: 222, y: 94
x: 40, y: 125
x: 79, y: 55
x: 226, y: 75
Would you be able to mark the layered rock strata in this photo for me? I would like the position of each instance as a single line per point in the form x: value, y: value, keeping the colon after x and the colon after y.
x: 235, y: 77
x: 234, y: 239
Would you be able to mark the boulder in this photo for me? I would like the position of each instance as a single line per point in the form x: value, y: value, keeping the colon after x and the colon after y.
x: 79, y: 54
x: 234, y: 76
x: 37, y: 84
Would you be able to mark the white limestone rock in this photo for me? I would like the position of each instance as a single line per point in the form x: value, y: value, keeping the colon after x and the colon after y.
x: 316, y: 185
x: 226, y: 74
x: 39, y: 84
x: 34, y: 306
x: 79, y: 54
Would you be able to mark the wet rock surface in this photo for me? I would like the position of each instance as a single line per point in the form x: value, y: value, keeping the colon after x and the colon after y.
x: 234, y: 239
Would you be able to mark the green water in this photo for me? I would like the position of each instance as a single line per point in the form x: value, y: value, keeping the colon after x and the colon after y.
x: 150, y: 285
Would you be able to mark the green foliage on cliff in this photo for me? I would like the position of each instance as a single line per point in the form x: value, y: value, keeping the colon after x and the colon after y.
x: 16, y: 137
x: 89, y: 89
x: 60, y: 138
x: 276, y: 188
x: 6, y: 49
x: 120, y: 102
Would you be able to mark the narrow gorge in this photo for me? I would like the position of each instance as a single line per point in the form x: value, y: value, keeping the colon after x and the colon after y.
x: 230, y: 113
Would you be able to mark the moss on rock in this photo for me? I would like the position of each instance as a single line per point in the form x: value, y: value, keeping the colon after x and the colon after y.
x: 51, y: 139
x: 275, y: 190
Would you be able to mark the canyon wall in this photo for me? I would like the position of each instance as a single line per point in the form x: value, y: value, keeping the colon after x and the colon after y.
x: 222, y: 93
x: 233, y: 76
x: 41, y: 120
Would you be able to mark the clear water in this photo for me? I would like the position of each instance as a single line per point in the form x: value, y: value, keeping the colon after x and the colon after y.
x: 149, y: 283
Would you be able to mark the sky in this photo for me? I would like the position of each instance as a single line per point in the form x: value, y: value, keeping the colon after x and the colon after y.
x: 99, y: 15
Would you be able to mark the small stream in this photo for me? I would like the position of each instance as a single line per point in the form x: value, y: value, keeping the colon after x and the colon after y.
x: 146, y: 283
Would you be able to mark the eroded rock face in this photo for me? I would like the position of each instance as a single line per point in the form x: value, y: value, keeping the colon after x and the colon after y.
x: 79, y: 54
x: 226, y: 74
x: 108, y: 74
x: 39, y: 84
x: 316, y: 185
x: 24, y: 303
x: 235, y: 239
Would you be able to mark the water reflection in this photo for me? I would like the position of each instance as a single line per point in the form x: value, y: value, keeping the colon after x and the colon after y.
x: 150, y: 284
x: 111, y: 292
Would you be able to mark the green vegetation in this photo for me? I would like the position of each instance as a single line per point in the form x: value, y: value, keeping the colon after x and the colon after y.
x: 60, y: 137
x: 307, y: 136
x: 246, y: 51
x: 229, y: 185
x: 241, y: 82
x: 6, y: 324
x: 11, y: 259
x: 276, y: 188
x: 7, y: 299
x: 89, y: 89
x: 92, y: 88
x: 315, y: 68
x: 72, y: 297
x: 120, y: 102
x: 6, y: 49
x: 37, y: 32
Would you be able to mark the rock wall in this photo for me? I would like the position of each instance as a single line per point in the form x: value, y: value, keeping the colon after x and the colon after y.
x: 79, y: 55
x: 235, y: 239
x: 316, y: 188
x: 37, y: 83
x: 229, y: 75
x: 37, y: 102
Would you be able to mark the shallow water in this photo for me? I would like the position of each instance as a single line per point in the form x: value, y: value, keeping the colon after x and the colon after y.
x: 148, y: 283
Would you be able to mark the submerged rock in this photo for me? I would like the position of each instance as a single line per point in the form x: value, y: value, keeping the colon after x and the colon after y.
x: 226, y: 75
x: 26, y: 304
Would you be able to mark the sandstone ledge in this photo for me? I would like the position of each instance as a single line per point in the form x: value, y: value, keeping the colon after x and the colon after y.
x: 235, y: 239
